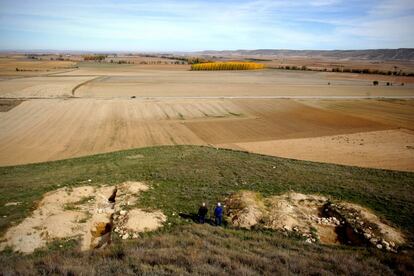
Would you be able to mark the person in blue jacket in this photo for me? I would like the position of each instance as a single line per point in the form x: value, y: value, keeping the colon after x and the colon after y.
x: 218, y: 214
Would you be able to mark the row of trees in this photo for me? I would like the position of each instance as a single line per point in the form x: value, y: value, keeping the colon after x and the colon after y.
x: 372, y: 71
x: 95, y: 57
x: 348, y: 70
x: 226, y: 66
x: 162, y: 62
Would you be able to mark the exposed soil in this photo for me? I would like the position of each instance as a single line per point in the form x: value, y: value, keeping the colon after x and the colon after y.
x: 174, y: 83
x: 40, y: 87
x: 313, y: 217
x: 6, y: 104
x: 88, y: 212
x: 386, y: 149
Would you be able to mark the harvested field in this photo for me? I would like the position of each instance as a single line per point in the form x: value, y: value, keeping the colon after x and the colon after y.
x: 69, y: 128
x: 280, y: 119
x: 387, y: 149
x: 113, y: 110
x: 43, y: 87
x: 396, y: 113
x: 229, y: 83
x: 29, y: 67
x: 62, y: 128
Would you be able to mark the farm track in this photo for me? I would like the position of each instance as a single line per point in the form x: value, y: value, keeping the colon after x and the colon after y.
x: 225, y: 97
x: 84, y: 83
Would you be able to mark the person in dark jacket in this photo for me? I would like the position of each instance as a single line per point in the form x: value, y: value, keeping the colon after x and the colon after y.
x: 202, y: 212
x: 218, y: 214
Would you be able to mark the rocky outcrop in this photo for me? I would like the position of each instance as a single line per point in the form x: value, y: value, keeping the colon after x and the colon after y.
x: 313, y: 217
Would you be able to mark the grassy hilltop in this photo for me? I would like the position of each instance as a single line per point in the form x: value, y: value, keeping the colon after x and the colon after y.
x: 183, y: 176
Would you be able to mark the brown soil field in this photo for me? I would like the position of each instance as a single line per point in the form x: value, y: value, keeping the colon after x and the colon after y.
x: 29, y: 67
x: 280, y: 119
x: 90, y: 110
x: 398, y: 113
x: 41, y: 130
x: 389, y: 149
x: 44, y: 87
x: 113, y: 69
x: 152, y: 83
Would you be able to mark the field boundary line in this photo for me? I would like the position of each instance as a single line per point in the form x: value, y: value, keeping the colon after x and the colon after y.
x: 84, y: 83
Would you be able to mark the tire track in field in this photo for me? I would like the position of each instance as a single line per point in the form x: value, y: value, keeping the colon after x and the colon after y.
x: 86, y: 82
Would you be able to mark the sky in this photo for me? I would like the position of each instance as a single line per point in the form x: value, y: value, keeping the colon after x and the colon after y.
x: 166, y: 25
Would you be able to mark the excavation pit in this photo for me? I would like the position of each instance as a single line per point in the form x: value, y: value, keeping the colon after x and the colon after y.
x: 313, y: 217
x: 91, y: 213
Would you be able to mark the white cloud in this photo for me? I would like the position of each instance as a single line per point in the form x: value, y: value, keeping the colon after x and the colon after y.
x: 184, y: 25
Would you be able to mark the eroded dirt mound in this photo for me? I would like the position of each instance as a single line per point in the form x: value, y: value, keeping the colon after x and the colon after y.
x: 88, y: 212
x: 247, y: 209
x: 314, y: 217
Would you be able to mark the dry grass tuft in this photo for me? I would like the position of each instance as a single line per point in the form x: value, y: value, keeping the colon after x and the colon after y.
x: 207, y: 250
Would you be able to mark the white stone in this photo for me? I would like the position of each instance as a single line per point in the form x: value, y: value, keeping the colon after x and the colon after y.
x: 126, y: 236
x: 123, y: 212
x: 379, y: 246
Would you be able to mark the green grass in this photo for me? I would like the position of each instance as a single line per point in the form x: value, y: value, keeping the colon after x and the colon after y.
x: 184, y: 176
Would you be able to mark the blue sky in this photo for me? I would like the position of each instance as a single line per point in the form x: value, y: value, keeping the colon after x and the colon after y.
x: 165, y: 25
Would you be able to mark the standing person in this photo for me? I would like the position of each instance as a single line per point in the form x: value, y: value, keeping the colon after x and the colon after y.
x: 202, y: 212
x: 218, y: 214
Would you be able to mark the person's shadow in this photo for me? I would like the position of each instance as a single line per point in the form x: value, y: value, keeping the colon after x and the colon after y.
x: 194, y: 217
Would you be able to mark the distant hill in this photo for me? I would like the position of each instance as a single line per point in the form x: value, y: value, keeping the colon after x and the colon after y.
x: 406, y: 54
